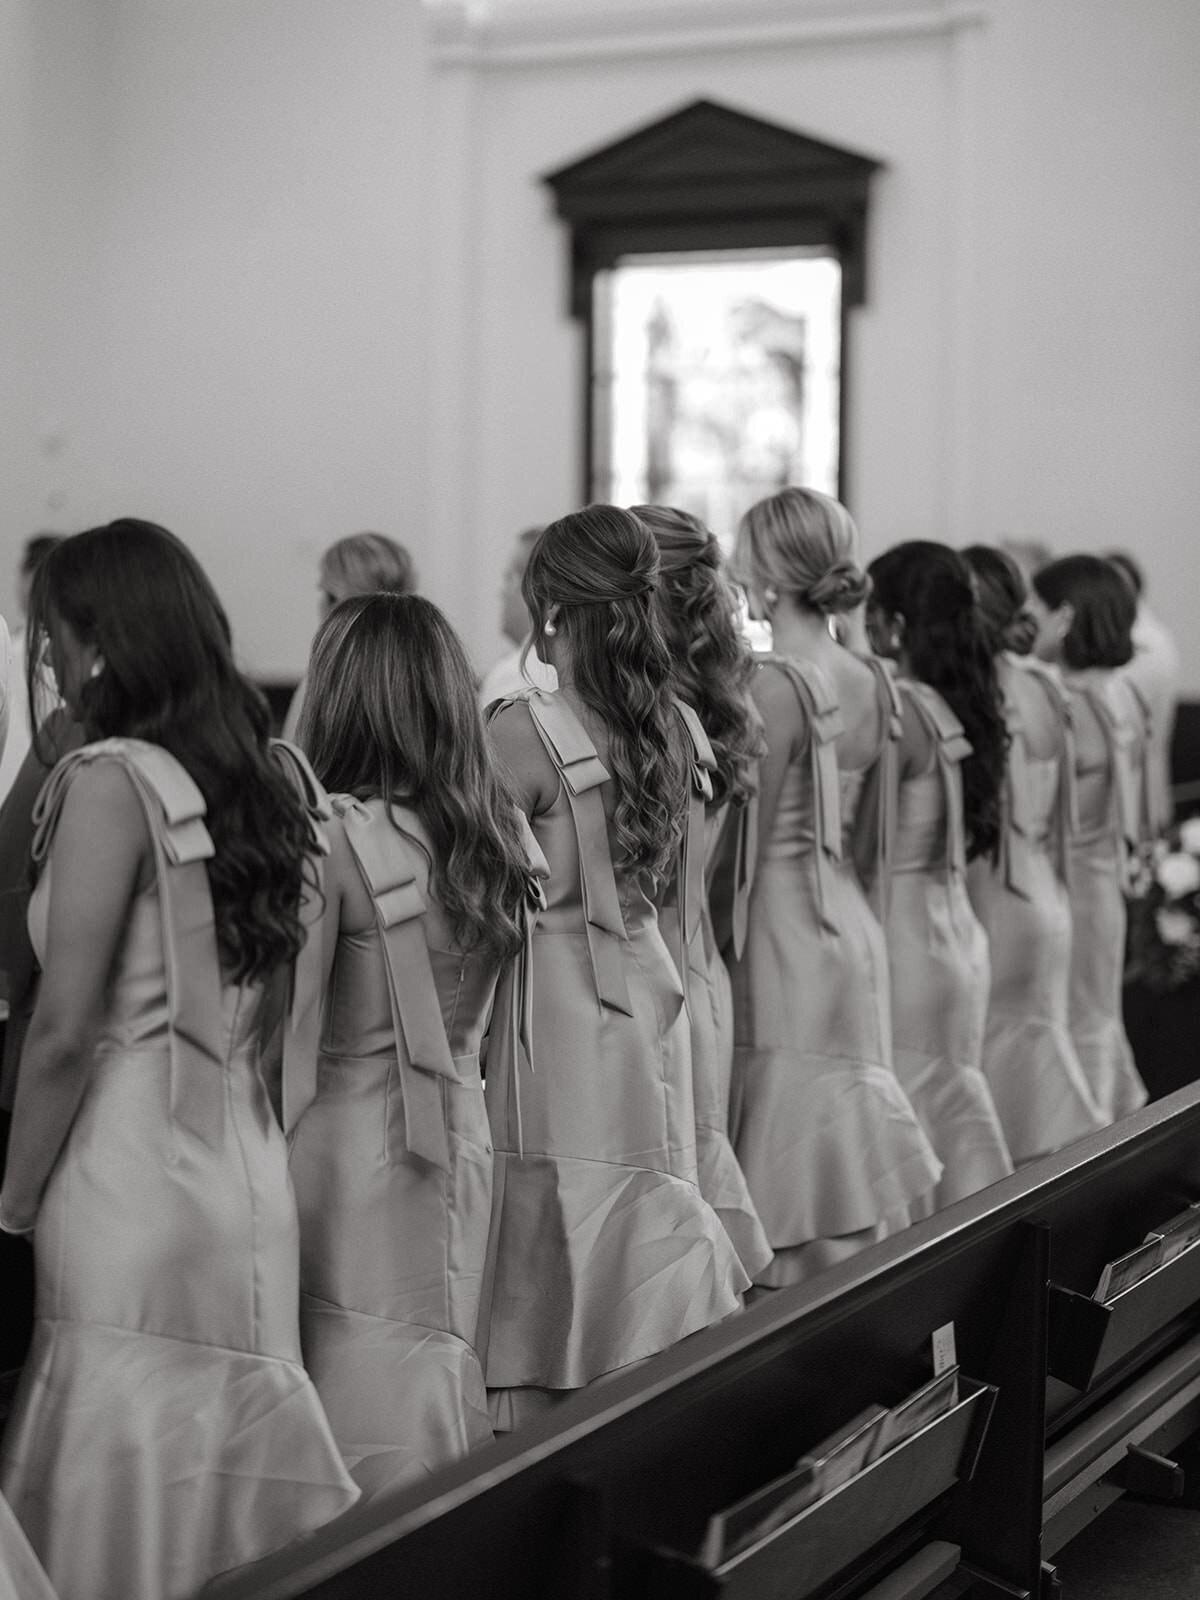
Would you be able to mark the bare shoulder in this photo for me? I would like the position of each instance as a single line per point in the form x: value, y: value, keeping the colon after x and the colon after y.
x: 101, y: 799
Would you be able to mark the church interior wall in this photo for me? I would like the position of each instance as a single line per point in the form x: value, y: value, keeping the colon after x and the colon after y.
x: 285, y: 269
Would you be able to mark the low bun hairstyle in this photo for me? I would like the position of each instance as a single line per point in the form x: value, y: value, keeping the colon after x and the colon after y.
x: 802, y: 543
x: 948, y: 647
x: 1002, y: 598
x: 1105, y: 609
x: 711, y: 663
x: 600, y: 568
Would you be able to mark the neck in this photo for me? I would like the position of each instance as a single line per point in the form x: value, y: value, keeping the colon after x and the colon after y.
x: 800, y: 632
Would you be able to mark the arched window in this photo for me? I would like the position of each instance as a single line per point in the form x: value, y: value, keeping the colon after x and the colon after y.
x: 714, y: 258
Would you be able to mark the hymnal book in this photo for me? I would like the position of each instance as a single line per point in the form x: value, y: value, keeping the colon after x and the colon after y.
x: 1129, y: 1269
x: 828, y: 1464
x: 921, y: 1407
x: 1178, y: 1234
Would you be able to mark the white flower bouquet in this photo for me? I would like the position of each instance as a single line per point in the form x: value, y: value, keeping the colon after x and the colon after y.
x: 1164, y: 915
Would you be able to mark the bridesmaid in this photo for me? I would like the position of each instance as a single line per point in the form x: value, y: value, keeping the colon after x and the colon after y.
x: 711, y: 667
x: 922, y: 614
x: 164, y: 1428
x: 834, y: 1154
x: 1085, y: 612
x: 1020, y: 891
x: 603, y: 1249
x: 425, y: 892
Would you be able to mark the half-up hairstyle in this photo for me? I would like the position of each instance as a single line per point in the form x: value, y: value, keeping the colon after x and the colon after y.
x: 600, y: 568
x: 1104, y: 606
x: 929, y: 586
x: 391, y: 712
x: 802, y: 544
x: 139, y: 595
x: 1003, y: 599
x: 711, y: 663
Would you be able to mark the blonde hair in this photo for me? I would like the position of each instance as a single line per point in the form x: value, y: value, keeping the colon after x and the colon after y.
x: 802, y: 543
x: 367, y: 563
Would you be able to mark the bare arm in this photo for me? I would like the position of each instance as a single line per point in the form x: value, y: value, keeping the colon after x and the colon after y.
x: 786, y: 730
x: 530, y: 771
x: 100, y: 848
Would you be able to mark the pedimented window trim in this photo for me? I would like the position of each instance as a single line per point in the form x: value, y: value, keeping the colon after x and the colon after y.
x: 707, y: 177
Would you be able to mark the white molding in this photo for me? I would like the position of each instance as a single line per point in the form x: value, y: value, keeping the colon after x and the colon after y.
x: 496, y: 34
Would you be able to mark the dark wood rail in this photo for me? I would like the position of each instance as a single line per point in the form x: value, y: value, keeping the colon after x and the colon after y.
x: 608, y: 1497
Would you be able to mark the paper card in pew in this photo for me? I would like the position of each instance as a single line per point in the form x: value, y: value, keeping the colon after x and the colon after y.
x: 931, y: 1400
x: 1178, y: 1234
x: 1129, y: 1269
x: 827, y: 1465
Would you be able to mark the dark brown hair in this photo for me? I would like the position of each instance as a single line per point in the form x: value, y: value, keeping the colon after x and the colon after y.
x: 600, y: 568
x: 390, y: 710
x: 711, y: 663
x: 135, y: 591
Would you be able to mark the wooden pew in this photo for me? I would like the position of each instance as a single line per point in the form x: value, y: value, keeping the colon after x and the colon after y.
x: 608, y: 1498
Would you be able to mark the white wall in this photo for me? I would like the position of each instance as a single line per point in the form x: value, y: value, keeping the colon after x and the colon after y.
x: 1025, y: 364
x: 283, y: 269
x: 253, y: 371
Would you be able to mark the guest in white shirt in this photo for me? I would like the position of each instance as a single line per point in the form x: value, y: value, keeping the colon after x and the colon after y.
x: 1154, y: 672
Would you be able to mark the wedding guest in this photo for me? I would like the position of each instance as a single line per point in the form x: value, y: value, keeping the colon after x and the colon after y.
x: 1155, y: 670
x: 923, y: 615
x: 835, y: 1156
x: 711, y: 668
x: 164, y: 1428
x: 1085, y: 611
x: 1020, y: 891
x: 603, y: 1249
x: 361, y: 563
x: 33, y: 552
x: 520, y: 665
x: 426, y: 894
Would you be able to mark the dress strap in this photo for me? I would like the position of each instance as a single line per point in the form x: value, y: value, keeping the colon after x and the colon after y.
x: 874, y: 834
x: 1126, y: 794
x: 1066, y: 805
x: 951, y: 747
x: 385, y: 860
x: 689, y: 865
x: 174, y: 809
x: 574, y: 756
x: 818, y: 699
x: 302, y: 1030
x: 533, y: 903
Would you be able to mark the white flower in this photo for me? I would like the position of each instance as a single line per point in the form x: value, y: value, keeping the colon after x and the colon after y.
x: 1179, y: 874
x: 1189, y: 836
x: 1174, y: 927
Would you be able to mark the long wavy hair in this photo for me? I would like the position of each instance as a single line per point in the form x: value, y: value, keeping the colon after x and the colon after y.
x: 1003, y: 599
x: 929, y: 586
x: 711, y: 663
x: 391, y: 711
x: 600, y: 568
x: 802, y: 543
x: 1104, y: 606
x: 138, y: 594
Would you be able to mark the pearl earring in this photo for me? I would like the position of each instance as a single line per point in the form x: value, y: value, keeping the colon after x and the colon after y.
x: 549, y: 630
x: 770, y: 596
x: 97, y: 669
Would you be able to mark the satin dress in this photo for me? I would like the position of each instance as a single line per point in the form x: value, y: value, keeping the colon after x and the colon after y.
x: 164, y: 1428
x: 21, y: 1574
x: 940, y: 965
x: 603, y: 1249
x: 833, y: 1152
x: 1029, y: 1058
x: 1113, y: 807
x: 392, y: 1164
